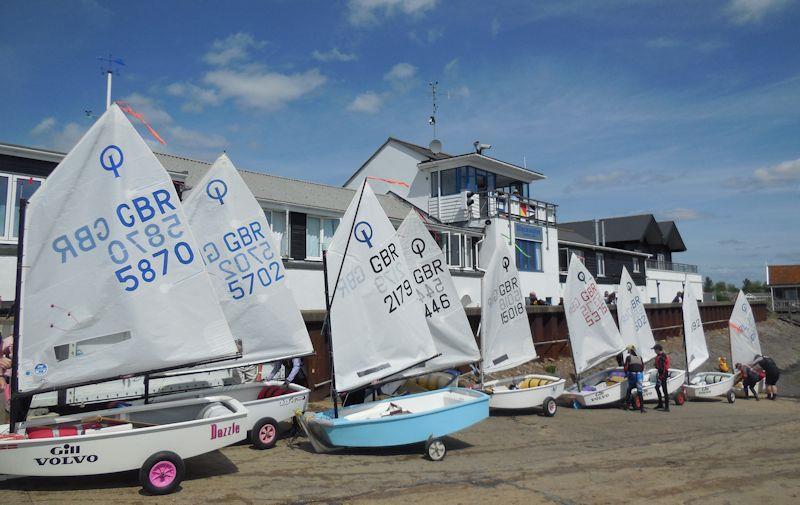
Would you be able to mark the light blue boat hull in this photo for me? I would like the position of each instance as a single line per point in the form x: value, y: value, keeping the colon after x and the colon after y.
x: 471, y: 408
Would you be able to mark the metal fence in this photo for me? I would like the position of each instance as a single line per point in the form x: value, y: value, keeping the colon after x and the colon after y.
x: 673, y: 267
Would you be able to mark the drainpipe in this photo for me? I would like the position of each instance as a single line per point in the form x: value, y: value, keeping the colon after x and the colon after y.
x: 658, y: 291
x: 596, y: 232
x: 603, y: 226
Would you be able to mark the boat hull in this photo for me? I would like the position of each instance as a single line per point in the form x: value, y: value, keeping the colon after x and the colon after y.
x: 278, y: 408
x: 204, y: 428
x: 674, y: 383
x: 608, y: 395
x: 698, y: 389
x: 523, y: 398
x: 428, y: 415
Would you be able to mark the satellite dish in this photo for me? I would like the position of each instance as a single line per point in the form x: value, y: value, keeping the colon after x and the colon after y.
x: 435, y: 146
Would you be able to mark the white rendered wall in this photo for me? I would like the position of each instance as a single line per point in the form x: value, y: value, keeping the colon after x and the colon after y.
x: 8, y: 277
x: 663, y: 285
x: 400, y: 164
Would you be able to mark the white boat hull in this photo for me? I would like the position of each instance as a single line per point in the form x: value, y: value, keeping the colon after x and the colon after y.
x: 278, y: 408
x: 501, y: 397
x: 201, y: 425
x: 699, y: 388
x: 603, y: 393
x: 674, y: 383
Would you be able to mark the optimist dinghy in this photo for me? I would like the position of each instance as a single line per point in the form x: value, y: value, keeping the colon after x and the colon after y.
x: 634, y: 326
x: 593, y: 338
x: 506, y: 339
x: 706, y: 384
x: 250, y: 281
x: 110, y: 283
x: 377, y: 329
x: 745, y: 345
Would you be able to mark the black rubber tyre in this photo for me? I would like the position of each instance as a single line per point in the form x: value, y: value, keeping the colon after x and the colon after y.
x: 550, y: 407
x: 731, y: 396
x: 265, y: 433
x: 162, y: 473
x: 435, y: 450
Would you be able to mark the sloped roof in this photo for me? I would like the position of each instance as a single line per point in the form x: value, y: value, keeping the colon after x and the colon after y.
x: 783, y: 275
x: 672, y: 238
x: 639, y: 228
x: 421, y: 150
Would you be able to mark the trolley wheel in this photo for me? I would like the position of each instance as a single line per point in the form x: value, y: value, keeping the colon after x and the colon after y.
x: 680, y: 398
x: 435, y: 449
x: 162, y: 473
x: 264, y: 433
x: 731, y: 396
x: 637, y: 401
x: 550, y: 407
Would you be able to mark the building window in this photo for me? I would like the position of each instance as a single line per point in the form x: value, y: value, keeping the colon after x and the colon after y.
x: 529, y: 255
x: 636, y: 266
x: 278, y: 221
x: 454, y: 256
x: 469, y: 249
x: 434, y: 184
x: 450, y: 182
x: 319, y: 232
x: 601, y: 265
x: 12, y: 188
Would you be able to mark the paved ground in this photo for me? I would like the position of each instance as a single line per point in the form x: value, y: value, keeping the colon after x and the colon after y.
x: 709, y: 452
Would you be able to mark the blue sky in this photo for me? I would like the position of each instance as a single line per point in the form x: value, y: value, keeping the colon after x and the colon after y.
x: 688, y: 110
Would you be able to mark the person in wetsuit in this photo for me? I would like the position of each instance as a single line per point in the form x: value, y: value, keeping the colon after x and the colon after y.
x: 634, y: 368
x: 772, y: 374
x: 749, y: 379
x: 662, y: 374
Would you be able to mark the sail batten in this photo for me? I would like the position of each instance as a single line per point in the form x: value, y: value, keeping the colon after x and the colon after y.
x: 378, y: 326
x: 248, y: 274
x: 113, y: 282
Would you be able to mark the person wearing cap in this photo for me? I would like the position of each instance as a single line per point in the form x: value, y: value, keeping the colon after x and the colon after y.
x: 662, y: 374
x: 634, y: 367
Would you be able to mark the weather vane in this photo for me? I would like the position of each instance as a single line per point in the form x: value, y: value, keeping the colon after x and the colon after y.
x: 110, y: 66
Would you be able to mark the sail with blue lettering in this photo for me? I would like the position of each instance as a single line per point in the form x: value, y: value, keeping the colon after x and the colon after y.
x: 438, y: 297
x: 113, y: 280
x: 693, y: 334
x: 244, y: 260
x: 745, y: 345
x: 634, y: 326
x: 593, y: 335
x: 505, y: 330
x: 378, y: 326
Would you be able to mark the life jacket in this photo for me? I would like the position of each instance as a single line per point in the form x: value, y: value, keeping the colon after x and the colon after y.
x: 662, y: 365
x: 635, y: 363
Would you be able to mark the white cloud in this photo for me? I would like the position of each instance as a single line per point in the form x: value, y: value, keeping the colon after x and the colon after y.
x: 260, y: 89
x: 44, y: 126
x: 333, y: 55
x: 785, y: 173
x: 401, y: 72
x: 451, y: 67
x: 427, y: 36
x: 495, y: 27
x: 369, y: 103
x: 197, y: 98
x: 66, y: 138
x: 233, y: 49
x: 196, y: 139
x: 744, y: 12
x: 684, y: 214
x: 459, y: 92
x: 372, y: 12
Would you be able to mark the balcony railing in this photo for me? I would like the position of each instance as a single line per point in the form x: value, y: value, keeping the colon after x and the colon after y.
x: 673, y: 267
x: 499, y: 204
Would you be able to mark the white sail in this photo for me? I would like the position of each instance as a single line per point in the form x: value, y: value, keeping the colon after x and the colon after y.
x: 634, y: 326
x: 505, y: 330
x: 592, y: 333
x: 696, y: 350
x: 113, y: 281
x: 438, y: 297
x: 744, y: 335
x: 246, y: 269
x: 378, y: 324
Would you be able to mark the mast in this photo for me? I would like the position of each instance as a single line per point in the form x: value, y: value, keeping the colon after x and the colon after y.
x: 18, y: 409
x: 480, y: 335
x: 326, y: 330
x: 685, y: 349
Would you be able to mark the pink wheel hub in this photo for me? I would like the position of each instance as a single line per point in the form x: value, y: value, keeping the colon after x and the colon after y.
x: 163, y: 473
x: 267, y: 433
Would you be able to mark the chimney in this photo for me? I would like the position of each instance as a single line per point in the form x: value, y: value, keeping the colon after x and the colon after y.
x: 596, y: 232
x: 603, y: 227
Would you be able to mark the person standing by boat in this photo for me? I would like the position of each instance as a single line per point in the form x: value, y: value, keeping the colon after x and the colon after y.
x: 5, y: 370
x: 293, y: 369
x: 662, y: 374
x: 749, y: 379
x: 772, y: 374
x: 634, y: 368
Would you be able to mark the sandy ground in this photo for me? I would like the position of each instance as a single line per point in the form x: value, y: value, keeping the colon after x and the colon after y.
x: 704, y: 452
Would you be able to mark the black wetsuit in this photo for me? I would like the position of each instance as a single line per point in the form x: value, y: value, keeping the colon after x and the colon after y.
x: 770, y: 369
